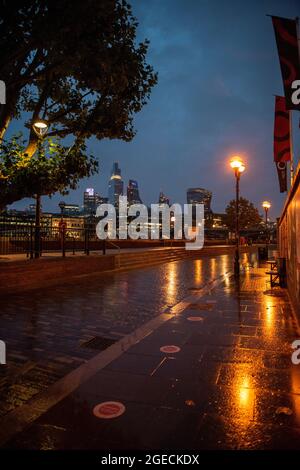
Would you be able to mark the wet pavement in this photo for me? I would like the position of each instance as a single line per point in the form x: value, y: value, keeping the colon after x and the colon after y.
x: 228, y: 384
x: 49, y: 332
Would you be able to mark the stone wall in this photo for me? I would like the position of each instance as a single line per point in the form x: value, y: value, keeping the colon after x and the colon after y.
x: 19, y: 276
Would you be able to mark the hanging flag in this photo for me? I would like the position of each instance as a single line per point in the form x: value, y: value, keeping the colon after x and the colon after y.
x: 288, y: 51
x: 282, y: 176
x: 282, y: 145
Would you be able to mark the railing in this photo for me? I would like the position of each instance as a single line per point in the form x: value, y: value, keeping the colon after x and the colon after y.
x: 34, y: 241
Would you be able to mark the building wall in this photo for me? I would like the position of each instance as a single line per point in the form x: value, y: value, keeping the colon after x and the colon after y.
x: 289, y: 240
x: 74, y: 226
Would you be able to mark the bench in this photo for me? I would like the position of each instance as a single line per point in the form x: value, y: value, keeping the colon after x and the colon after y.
x: 273, y: 264
x: 278, y: 272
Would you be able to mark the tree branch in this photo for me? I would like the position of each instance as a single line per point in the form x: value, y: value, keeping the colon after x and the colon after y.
x: 33, y: 138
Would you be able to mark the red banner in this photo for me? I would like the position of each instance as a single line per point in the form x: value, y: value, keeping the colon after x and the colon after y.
x: 282, y: 146
x: 288, y: 51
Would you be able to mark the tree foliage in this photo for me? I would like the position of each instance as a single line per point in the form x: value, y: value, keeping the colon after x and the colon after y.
x: 248, y: 215
x: 54, y: 167
x: 76, y: 64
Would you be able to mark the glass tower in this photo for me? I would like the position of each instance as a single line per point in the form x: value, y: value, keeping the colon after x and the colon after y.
x: 115, y: 185
x: 133, y: 196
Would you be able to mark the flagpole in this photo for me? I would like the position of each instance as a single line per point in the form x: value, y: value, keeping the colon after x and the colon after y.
x: 291, y: 148
x: 292, y: 169
x: 298, y: 36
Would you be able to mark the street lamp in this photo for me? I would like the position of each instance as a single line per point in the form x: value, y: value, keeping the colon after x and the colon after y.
x: 40, y: 128
x: 266, y: 205
x: 238, y: 166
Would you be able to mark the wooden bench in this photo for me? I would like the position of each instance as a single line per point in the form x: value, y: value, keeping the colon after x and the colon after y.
x: 272, y: 263
x: 278, y: 272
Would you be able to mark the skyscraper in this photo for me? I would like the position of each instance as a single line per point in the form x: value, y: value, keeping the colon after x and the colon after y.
x: 115, y: 185
x: 163, y: 199
x: 133, y: 196
x: 200, y: 196
x: 91, y: 201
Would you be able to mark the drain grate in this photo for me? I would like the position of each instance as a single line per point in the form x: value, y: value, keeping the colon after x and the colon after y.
x: 98, y: 342
x: 200, y: 306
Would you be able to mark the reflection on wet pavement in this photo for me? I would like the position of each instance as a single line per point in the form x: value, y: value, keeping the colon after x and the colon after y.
x: 46, y: 331
x: 231, y: 386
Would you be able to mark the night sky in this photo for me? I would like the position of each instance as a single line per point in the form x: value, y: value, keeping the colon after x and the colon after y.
x: 218, y: 70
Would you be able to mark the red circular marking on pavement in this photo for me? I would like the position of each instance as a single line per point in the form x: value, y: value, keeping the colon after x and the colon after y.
x: 109, y: 409
x: 195, y: 318
x: 170, y: 349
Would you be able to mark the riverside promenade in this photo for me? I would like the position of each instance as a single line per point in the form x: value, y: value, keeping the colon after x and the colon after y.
x: 176, y: 356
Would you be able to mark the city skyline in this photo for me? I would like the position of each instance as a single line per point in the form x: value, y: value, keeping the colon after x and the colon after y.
x: 106, y: 196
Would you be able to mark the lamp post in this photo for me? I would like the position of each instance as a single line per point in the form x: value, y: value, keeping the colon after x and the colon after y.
x: 62, y: 206
x: 62, y: 227
x: 266, y: 205
x: 239, y: 167
x: 40, y: 127
x: 172, y: 234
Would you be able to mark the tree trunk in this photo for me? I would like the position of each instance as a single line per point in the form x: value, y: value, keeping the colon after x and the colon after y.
x: 4, y: 123
x: 32, y: 145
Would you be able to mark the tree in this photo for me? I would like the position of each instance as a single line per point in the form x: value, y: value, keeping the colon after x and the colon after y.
x: 54, y: 167
x: 248, y: 215
x: 75, y: 64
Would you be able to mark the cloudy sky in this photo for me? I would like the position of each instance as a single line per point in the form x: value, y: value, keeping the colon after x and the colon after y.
x: 218, y: 71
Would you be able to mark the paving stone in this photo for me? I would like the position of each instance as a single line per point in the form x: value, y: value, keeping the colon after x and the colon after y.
x: 231, y: 385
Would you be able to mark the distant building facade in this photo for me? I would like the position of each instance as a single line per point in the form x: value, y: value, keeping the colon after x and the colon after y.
x: 115, y: 185
x: 201, y: 196
x: 71, y: 209
x: 91, y: 200
x: 133, y: 196
x: 218, y: 220
x: 163, y: 199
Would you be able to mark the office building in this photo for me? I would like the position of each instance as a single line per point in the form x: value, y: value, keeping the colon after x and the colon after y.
x: 91, y: 200
x: 115, y: 186
x: 133, y: 196
x: 163, y: 199
x: 70, y: 209
x: 200, y: 196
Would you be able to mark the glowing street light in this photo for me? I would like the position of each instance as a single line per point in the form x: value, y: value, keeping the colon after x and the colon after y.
x: 237, y: 164
x: 40, y: 127
x: 266, y: 205
x: 239, y: 167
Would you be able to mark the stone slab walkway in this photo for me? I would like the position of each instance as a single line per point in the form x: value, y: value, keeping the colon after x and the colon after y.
x: 228, y: 384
